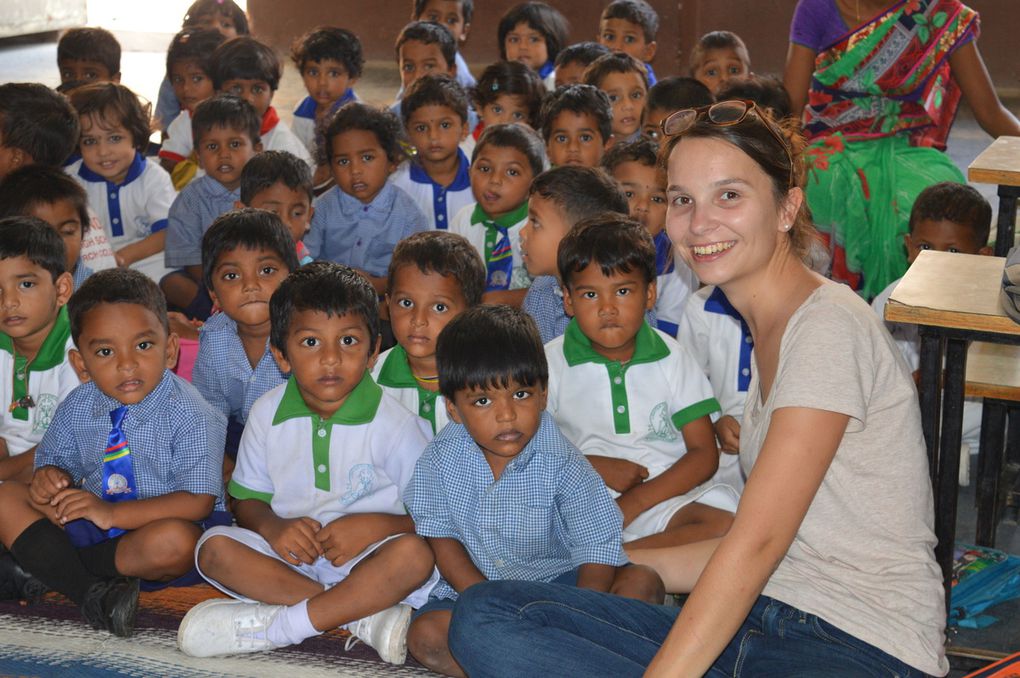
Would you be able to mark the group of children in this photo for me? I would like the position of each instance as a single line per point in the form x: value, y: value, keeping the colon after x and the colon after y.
x: 425, y: 359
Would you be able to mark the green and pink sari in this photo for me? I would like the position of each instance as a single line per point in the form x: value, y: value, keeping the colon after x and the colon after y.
x: 881, y: 103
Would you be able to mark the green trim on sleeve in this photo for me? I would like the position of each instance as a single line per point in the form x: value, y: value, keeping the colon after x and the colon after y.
x: 695, y: 411
x: 238, y: 491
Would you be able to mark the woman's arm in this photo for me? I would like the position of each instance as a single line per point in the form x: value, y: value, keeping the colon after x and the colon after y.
x: 800, y: 64
x: 797, y: 452
x: 970, y: 73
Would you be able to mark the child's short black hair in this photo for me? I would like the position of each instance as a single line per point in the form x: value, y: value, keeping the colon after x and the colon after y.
x: 434, y: 90
x: 719, y: 40
x: 268, y: 168
x: 333, y: 289
x: 329, y: 42
x: 429, y: 33
x: 34, y: 185
x: 509, y: 135
x: 445, y: 253
x: 637, y: 12
x: 540, y: 17
x: 38, y: 121
x: 581, y: 52
x: 467, y: 9
x: 578, y: 99
x: 678, y: 93
x: 581, y: 192
x: 765, y: 90
x: 614, y: 62
x: 615, y: 242
x: 35, y: 240
x: 244, y: 58
x: 227, y: 8
x: 382, y: 123
x: 193, y: 44
x: 250, y: 229
x: 642, y: 151
x: 90, y: 44
x: 113, y: 104
x: 958, y: 203
x: 225, y: 110
x: 490, y: 345
x: 115, y: 286
x: 514, y: 79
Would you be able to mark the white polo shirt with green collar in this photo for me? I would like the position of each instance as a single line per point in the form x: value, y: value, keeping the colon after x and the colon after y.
x: 393, y: 373
x: 632, y: 411
x: 470, y: 222
x: 357, y: 461
x: 31, y: 391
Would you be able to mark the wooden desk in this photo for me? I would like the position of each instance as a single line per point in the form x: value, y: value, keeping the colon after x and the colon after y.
x: 954, y: 299
x: 1000, y: 164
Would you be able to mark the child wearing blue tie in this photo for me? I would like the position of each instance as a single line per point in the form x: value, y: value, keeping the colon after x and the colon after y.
x: 129, y: 472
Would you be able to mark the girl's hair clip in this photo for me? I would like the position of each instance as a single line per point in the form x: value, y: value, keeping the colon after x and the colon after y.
x: 495, y: 86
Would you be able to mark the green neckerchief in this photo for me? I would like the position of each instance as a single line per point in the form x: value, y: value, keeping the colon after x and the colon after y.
x: 396, y: 373
x: 359, y: 407
x: 50, y: 354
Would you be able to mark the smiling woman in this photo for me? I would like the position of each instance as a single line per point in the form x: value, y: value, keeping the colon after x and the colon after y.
x: 831, y: 432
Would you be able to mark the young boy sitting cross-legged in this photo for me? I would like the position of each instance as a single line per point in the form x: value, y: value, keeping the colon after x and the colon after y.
x: 500, y: 493
x: 128, y: 474
x: 645, y: 422
x: 323, y: 539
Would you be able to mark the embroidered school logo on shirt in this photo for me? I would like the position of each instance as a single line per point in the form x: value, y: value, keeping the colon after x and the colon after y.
x: 659, y: 425
x: 44, y: 410
x: 360, y: 480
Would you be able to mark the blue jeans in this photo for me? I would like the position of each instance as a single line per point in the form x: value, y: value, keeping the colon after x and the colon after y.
x: 510, y: 628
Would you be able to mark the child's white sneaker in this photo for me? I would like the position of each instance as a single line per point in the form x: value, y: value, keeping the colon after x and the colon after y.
x: 225, y: 626
x: 385, y: 632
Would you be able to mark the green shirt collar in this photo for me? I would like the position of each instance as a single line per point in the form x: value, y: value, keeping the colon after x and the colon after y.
x: 506, y: 221
x: 395, y: 371
x: 648, y: 347
x: 52, y: 352
x: 359, y: 407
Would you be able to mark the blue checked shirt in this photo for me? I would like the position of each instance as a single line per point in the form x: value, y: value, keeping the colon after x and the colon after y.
x: 223, y: 374
x: 346, y: 231
x: 176, y: 440
x: 544, y: 303
x: 191, y: 214
x: 548, y: 513
x: 80, y: 273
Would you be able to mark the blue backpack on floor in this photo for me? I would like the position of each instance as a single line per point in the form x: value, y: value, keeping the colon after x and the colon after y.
x: 982, y: 577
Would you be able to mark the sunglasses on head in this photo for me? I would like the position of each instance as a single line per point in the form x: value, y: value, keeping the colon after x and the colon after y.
x: 722, y: 114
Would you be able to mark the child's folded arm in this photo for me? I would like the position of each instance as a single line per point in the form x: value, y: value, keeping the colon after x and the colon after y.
x: 347, y: 536
x: 455, y: 563
x: 46, y: 482
x: 73, y: 503
x: 619, y: 474
x: 293, y: 539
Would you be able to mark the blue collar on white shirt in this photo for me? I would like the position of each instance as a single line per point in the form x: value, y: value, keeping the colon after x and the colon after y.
x: 718, y: 303
x: 460, y: 182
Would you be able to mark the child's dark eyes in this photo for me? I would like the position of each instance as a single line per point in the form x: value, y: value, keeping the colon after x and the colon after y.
x: 629, y: 194
x: 497, y: 109
x: 348, y: 340
x: 104, y: 352
x: 26, y: 284
x: 232, y: 275
x: 630, y: 39
x: 481, y: 402
x: 613, y: 98
x: 734, y: 70
x: 623, y: 291
x: 268, y: 270
x: 587, y: 138
x: 335, y: 74
x: 367, y: 157
x: 343, y: 162
x: 235, y: 144
x: 144, y: 345
x: 420, y: 129
x: 659, y: 199
x: 560, y: 138
x: 312, y: 72
x: 711, y: 72
x: 513, y: 172
x: 589, y: 295
x: 405, y: 303
x: 522, y: 395
x: 309, y: 342
x: 483, y: 169
x: 407, y: 67
x: 637, y: 95
x: 517, y: 115
x: 440, y: 308
x: 445, y: 124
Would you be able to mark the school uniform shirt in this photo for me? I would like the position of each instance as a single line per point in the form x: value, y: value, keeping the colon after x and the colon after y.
x: 191, y: 215
x: 548, y: 75
x: 464, y: 76
x: 133, y: 209
x: 167, y: 106
x: 651, y: 75
x: 632, y: 411
x: 470, y: 222
x: 178, y: 144
x: 674, y: 283
x: 46, y: 380
x: 357, y: 461
x: 347, y: 231
x: 223, y: 374
x: 393, y: 374
x: 176, y: 440
x: 304, y: 119
x: 439, y: 203
x: 80, y: 273
x: 96, y: 252
x: 548, y: 513
x: 277, y: 136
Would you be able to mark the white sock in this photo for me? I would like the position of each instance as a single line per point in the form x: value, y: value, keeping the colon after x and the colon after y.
x: 291, y: 625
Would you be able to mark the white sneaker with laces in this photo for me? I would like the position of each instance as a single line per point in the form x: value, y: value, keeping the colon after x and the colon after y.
x: 221, y: 626
x: 385, y: 632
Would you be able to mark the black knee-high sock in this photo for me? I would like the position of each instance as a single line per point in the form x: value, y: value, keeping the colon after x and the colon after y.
x: 45, y: 550
x: 101, y: 559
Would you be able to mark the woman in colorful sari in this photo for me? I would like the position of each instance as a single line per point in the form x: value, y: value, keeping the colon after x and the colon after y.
x: 879, y: 83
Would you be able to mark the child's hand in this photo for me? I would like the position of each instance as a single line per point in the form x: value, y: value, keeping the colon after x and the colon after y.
x: 346, y: 537
x: 618, y: 474
x: 47, y: 482
x: 727, y: 429
x: 72, y: 503
x: 294, y: 540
